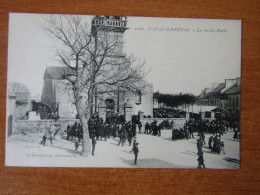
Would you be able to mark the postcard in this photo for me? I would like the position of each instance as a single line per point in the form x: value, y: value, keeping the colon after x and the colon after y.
x: 123, y: 92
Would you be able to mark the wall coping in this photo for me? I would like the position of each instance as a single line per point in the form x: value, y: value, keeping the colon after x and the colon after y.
x: 46, y: 120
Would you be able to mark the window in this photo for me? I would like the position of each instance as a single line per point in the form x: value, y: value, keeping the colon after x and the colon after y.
x: 207, y: 114
x: 138, y: 97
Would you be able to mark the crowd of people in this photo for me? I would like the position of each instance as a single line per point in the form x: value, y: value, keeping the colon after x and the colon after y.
x: 168, y: 113
x: 217, y: 128
x: 47, y: 113
x: 154, y: 128
x: 115, y: 126
x: 74, y: 131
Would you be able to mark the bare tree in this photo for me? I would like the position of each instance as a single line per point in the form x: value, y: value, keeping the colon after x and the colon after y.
x: 95, y: 61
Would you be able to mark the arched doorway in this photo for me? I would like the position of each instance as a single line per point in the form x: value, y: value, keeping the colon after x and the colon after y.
x: 10, y: 125
x: 110, y: 110
x: 110, y: 104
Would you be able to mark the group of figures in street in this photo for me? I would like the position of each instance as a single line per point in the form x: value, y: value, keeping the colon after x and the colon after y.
x: 99, y: 130
x: 216, y: 128
x: 52, y: 131
x: 127, y: 131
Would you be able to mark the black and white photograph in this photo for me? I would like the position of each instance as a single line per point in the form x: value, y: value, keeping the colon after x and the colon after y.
x: 123, y: 92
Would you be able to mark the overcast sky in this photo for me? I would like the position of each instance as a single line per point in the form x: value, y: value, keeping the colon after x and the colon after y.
x: 181, y: 61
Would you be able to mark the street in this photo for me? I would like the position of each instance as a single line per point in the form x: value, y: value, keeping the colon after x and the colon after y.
x: 154, y: 152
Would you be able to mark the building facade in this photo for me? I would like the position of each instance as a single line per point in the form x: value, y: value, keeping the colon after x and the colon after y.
x: 224, y: 95
x: 58, y: 94
x: 18, y: 103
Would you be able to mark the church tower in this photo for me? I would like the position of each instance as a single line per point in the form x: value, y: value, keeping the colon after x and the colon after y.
x: 113, y: 26
x: 116, y: 24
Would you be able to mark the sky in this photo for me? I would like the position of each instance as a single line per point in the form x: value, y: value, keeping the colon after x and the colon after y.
x: 184, y: 55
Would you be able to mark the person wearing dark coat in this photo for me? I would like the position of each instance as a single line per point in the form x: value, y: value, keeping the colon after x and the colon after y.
x: 191, y: 131
x: 203, y: 137
x: 201, y: 161
x: 44, y: 139
x: 210, y: 142
x: 134, y: 143
x: 76, y: 144
x: 93, y: 145
x: 122, y: 137
x: 27, y: 115
x: 140, y: 127
x: 235, y: 136
x: 199, y: 146
x: 130, y: 138
x: 146, y: 128
x: 159, y: 130
x: 68, y: 132
x: 136, y: 151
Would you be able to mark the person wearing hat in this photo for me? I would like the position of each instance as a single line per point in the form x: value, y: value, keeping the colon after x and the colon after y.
x: 199, y: 145
x: 210, y: 142
x: 139, y: 127
x: 76, y: 144
x: 44, y: 139
x: 130, y: 138
x: 134, y: 143
x: 136, y: 151
x: 146, y: 128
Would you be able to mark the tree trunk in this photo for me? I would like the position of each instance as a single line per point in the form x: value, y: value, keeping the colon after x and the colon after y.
x: 86, y: 146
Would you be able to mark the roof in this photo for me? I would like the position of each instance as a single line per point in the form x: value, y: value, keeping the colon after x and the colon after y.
x: 202, y: 95
x: 56, y: 72
x: 204, y: 92
x: 228, y: 84
x: 234, y: 89
x: 22, y: 96
x: 199, y: 108
x: 11, y: 93
x: 219, y: 87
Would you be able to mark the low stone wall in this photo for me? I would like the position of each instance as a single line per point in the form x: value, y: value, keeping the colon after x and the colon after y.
x: 31, y: 126
x: 40, y: 126
x: 179, y: 122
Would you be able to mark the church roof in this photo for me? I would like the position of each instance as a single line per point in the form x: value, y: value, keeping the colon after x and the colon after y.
x: 56, y: 72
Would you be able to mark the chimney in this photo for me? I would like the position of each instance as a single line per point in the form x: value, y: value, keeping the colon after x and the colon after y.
x: 238, y: 80
x: 229, y: 82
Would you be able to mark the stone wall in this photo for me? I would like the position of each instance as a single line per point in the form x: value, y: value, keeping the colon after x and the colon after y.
x: 38, y: 126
